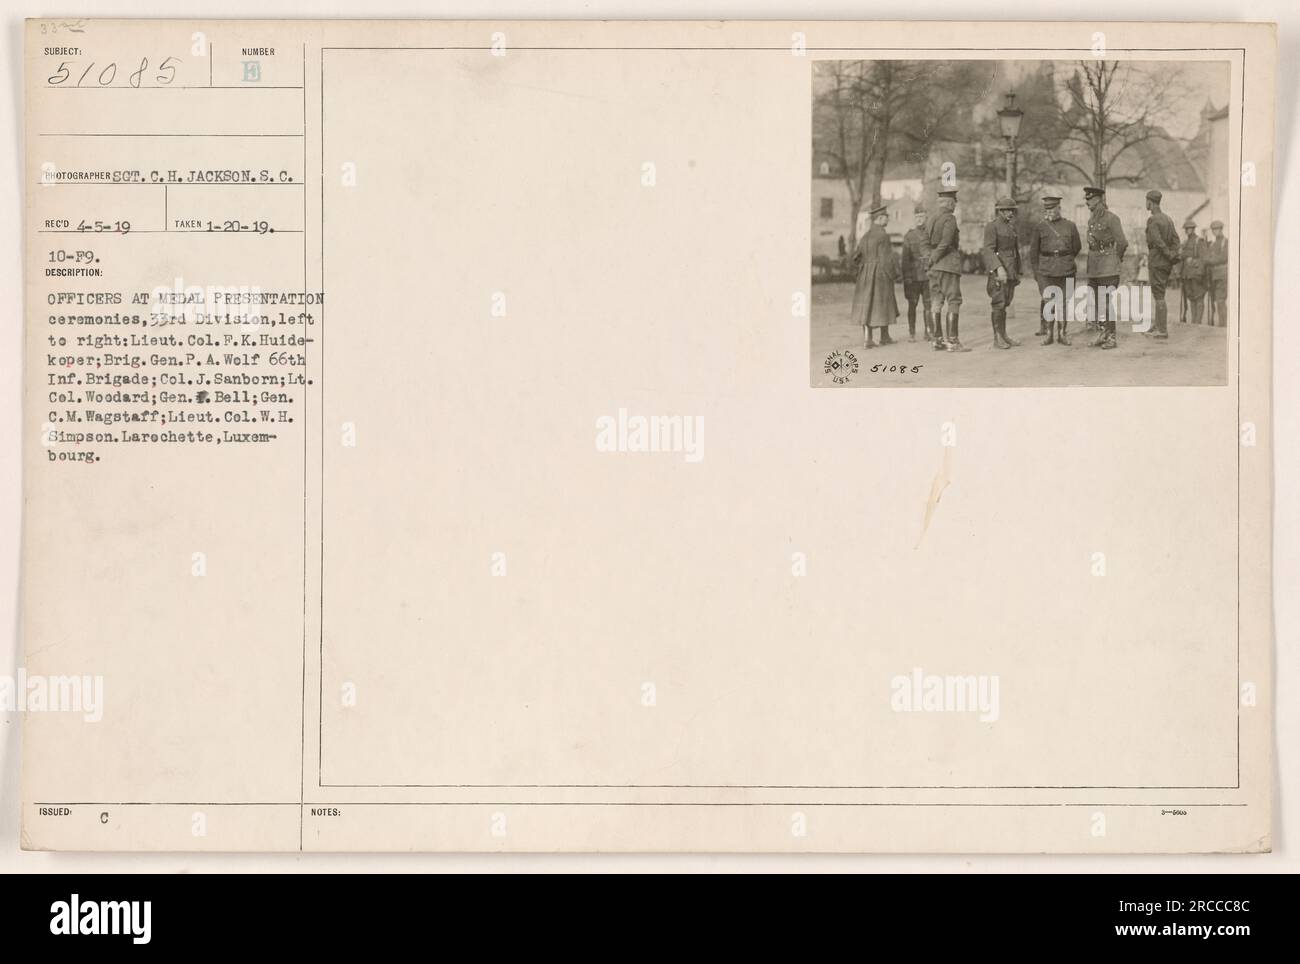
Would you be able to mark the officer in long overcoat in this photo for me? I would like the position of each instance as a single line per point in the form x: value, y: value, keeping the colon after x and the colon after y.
x: 874, y: 304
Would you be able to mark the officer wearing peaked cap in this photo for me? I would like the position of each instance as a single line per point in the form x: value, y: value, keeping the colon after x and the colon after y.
x: 1053, y: 246
x: 1106, y: 247
x: 1001, y: 253
x: 916, y: 272
x: 873, y: 295
x: 1163, y: 253
x: 945, y: 273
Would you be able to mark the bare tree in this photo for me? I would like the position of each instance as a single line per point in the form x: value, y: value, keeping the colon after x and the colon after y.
x: 870, y: 112
x: 844, y: 130
x: 1112, y: 108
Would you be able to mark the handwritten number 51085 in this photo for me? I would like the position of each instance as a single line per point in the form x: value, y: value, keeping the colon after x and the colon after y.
x: 166, y: 73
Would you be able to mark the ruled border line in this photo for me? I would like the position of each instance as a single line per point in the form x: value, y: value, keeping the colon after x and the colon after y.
x: 786, y: 50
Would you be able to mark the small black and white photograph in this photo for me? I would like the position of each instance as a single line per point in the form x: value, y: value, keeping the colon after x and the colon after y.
x: 1021, y: 223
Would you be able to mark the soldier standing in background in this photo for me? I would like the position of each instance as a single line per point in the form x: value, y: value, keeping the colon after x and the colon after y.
x: 1106, y: 247
x: 1001, y: 254
x: 1053, y: 245
x: 1192, y: 269
x: 1216, y: 258
x: 1162, y: 254
x: 945, y: 273
x: 916, y: 272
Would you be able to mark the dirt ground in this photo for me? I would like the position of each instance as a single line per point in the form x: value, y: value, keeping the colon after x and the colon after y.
x: 1193, y: 355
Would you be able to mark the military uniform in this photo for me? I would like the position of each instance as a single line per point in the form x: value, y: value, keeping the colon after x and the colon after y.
x: 1192, y: 271
x: 1106, y: 247
x: 1053, y: 247
x: 916, y: 275
x: 1163, y: 252
x: 1216, y: 257
x: 945, y: 277
x: 873, y: 295
x: 1001, y: 250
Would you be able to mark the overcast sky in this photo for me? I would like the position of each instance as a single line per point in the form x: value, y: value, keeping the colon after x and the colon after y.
x: 1203, y: 79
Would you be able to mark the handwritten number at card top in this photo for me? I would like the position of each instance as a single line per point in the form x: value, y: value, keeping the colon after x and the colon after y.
x: 108, y: 73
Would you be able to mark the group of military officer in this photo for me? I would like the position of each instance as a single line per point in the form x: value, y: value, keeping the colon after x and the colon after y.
x: 931, y: 268
x: 1204, y: 275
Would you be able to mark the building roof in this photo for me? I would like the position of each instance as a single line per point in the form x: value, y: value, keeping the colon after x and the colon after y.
x: 1212, y: 113
x: 1159, y: 162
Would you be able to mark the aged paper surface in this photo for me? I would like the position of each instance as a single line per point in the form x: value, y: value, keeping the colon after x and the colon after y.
x: 434, y: 444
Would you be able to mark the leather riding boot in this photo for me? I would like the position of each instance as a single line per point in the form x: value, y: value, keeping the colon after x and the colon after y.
x: 936, y: 329
x: 1109, y: 341
x: 997, y: 329
x: 954, y: 336
x: 1051, y: 332
x: 1062, y: 338
x: 1007, y: 340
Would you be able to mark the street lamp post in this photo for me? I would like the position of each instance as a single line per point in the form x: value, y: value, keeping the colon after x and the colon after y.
x: 1009, y: 119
